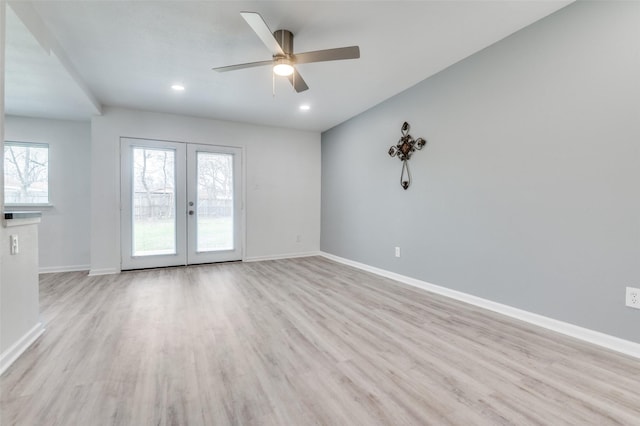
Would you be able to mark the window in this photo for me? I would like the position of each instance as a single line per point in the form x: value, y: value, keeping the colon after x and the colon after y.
x: 26, y: 173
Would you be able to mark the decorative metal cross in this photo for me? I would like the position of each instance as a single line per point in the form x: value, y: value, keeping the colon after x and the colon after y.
x: 403, y: 150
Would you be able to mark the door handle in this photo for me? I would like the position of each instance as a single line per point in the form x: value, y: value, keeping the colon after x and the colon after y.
x: 190, y: 212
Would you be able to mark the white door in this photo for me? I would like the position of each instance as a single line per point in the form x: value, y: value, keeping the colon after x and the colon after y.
x: 181, y: 203
x: 214, y: 204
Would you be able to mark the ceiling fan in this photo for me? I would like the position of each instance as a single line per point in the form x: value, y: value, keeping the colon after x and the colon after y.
x: 280, y: 44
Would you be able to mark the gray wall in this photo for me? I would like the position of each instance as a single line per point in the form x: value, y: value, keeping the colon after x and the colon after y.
x: 528, y: 191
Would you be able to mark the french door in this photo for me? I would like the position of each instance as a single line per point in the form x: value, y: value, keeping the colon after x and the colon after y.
x: 180, y: 203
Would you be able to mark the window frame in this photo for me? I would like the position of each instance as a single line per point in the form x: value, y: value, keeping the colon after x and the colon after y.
x: 30, y: 145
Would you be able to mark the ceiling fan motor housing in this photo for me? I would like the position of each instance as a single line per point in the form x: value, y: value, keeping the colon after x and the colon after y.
x: 285, y: 40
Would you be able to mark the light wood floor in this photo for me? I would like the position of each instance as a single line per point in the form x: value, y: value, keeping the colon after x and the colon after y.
x: 298, y: 342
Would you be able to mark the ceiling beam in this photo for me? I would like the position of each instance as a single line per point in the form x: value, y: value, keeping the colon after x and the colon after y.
x: 27, y: 13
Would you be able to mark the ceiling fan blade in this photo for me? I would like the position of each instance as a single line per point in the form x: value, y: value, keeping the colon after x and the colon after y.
x: 242, y: 66
x: 261, y: 29
x: 298, y: 82
x: 351, y: 52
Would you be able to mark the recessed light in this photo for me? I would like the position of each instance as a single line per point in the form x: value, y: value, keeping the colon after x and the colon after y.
x: 178, y: 87
x: 305, y: 107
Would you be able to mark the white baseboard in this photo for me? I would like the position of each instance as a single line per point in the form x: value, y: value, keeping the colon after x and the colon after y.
x: 105, y: 271
x: 109, y: 271
x: 9, y: 356
x: 281, y: 256
x: 601, y: 339
x: 72, y: 268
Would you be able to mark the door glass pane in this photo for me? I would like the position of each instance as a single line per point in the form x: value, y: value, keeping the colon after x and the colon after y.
x: 154, y: 203
x: 214, y: 202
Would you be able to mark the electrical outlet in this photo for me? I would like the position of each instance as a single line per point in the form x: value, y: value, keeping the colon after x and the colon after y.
x: 633, y: 297
x: 397, y: 251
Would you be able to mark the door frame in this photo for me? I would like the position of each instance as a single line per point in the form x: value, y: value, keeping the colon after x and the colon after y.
x: 126, y: 183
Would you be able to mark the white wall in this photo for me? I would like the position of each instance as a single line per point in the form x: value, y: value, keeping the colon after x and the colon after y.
x: 282, y: 180
x: 65, y: 227
x: 3, y: 11
x: 19, y: 315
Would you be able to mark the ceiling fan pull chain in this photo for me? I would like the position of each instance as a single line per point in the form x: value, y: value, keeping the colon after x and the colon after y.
x: 273, y: 80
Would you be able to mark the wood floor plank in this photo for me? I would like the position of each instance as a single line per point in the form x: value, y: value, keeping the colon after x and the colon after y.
x: 299, y: 342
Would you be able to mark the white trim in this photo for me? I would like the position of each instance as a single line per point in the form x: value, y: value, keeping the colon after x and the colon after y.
x: 70, y: 268
x: 282, y: 256
x: 9, y: 356
x: 104, y: 271
x: 21, y: 221
x: 26, y: 205
x: 601, y: 339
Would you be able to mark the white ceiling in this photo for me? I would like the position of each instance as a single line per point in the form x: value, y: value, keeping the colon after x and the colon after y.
x: 128, y: 53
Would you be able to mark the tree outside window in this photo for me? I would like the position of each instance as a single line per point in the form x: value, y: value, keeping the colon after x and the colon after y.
x: 26, y: 173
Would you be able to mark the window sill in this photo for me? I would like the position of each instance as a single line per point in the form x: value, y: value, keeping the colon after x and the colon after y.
x: 26, y: 206
x: 21, y: 218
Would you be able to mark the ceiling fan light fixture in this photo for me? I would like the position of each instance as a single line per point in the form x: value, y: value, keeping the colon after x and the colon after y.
x: 283, y: 60
x: 283, y: 67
